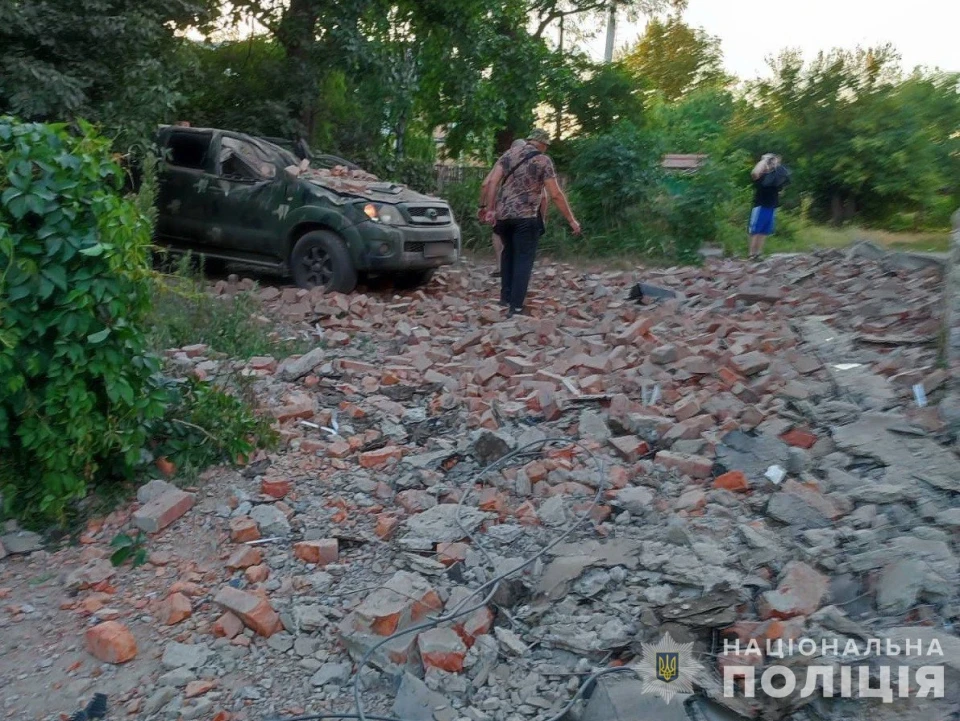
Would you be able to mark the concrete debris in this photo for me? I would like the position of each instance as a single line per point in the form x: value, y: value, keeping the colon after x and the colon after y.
x: 752, y: 464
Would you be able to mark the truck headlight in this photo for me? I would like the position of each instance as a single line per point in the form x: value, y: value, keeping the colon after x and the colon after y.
x: 384, y: 213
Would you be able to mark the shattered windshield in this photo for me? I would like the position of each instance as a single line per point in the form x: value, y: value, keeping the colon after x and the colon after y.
x: 257, y: 154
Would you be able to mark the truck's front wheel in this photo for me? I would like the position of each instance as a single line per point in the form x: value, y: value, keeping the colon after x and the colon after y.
x: 320, y: 259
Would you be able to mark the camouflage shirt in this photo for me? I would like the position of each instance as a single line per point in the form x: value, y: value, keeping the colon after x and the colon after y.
x: 519, y: 196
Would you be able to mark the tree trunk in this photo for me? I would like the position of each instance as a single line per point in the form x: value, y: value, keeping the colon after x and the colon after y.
x: 296, y: 33
x: 836, y: 209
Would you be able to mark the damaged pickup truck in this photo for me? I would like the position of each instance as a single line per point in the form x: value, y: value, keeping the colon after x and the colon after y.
x: 233, y: 197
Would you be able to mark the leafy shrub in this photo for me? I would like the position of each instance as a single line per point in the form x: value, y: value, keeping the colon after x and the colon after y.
x: 77, y: 390
x: 464, y: 198
x: 613, y: 173
x: 205, y: 424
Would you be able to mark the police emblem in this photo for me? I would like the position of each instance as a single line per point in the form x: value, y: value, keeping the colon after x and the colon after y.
x: 668, y: 668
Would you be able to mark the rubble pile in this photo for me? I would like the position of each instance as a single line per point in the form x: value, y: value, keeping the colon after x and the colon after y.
x: 763, y: 468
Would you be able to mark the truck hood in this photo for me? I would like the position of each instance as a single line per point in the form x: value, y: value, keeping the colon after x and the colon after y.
x: 376, y: 191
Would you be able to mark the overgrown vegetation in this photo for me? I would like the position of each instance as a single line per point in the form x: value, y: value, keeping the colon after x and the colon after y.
x: 183, y: 312
x: 83, y: 398
x: 372, y: 80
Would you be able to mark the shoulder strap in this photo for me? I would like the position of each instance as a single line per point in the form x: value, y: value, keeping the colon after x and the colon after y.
x: 516, y: 167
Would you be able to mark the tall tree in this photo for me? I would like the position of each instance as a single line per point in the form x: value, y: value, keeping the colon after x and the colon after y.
x: 111, y: 61
x: 677, y: 59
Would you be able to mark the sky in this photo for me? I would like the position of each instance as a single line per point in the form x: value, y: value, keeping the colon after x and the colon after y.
x: 925, y: 32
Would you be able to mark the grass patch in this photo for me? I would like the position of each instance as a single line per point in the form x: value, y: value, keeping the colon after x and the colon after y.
x: 813, y: 237
x: 184, y: 313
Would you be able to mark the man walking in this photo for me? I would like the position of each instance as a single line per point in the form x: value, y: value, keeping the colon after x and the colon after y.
x: 497, y: 242
x: 513, y: 202
x: 769, y: 178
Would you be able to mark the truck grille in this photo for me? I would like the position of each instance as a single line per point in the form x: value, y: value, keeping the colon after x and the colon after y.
x: 429, y: 214
x: 416, y: 247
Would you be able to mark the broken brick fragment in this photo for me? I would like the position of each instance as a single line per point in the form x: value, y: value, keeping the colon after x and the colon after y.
x: 244, y: 557
x: 799, y: 438
x: 275, y: 487
x: 111, y: 642
x: 243, y: 529
x: 227, y: 626
x: 321, y: 552
x: 173, y: 609
x: 732, y: 481
x: 381, y: 456
x: 443, y: 649
x: 256, y: 613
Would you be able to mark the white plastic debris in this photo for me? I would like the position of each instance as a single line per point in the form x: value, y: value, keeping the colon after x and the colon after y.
x: 776, y: 474
x: 846, y: 366
x: 920, y: 395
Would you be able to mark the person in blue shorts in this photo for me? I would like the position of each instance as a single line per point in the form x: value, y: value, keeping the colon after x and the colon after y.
x: 769, y: 178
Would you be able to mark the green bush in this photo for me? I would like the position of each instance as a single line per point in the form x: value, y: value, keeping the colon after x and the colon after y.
x: 614, y: 173
x: 464, y: 199
x: 183, y: 313
x: 77, y: 383
x: 205, y: 424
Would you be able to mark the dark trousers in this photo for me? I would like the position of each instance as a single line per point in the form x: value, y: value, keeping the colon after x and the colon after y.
x: 520, y: 237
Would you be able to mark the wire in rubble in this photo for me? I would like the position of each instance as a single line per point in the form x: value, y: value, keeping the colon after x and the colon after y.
x: 486, y: 590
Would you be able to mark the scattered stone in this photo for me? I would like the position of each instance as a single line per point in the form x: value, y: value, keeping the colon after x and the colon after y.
x: 184, y: 655
x: 294, y: 369
x: 322, y: 552
x: 163, y: 510
x: 799, y: 593
x: 270, y: 520
x: 111, y: 642
x: 256, y: 613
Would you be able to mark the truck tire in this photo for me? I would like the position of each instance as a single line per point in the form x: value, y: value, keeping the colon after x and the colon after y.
x: 412, y: 278
x: 320, y: 259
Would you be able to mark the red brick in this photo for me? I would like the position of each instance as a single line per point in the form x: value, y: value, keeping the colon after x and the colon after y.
x: 297, y: 405
x: 379, y: 457
x: 634, y: 332
x: 198, y: 688
x: 256, y: 613
x: 227, y: 626
x: 687, y: 464
x: 386, y: 525
x: 163, y: 510
x: 257, y: 574
x: 732, y: 481
x: 275, y: 487
x: 244, y: 557
x: 686, y: 408
x: 243, y: 529
x: 174, y: 608
x: 799, y: 438
x: 339, y: 449
x: 799, y: 593
x: 111, y: 642
x: 630, y: 448
x: 321, y: 552
x: 535, y: 471
x: 443, y: 649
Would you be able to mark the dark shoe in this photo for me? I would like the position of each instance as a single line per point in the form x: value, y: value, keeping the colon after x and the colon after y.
x: 515, y: 311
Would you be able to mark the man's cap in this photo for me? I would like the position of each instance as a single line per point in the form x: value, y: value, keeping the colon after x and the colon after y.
x: 539, y: 135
